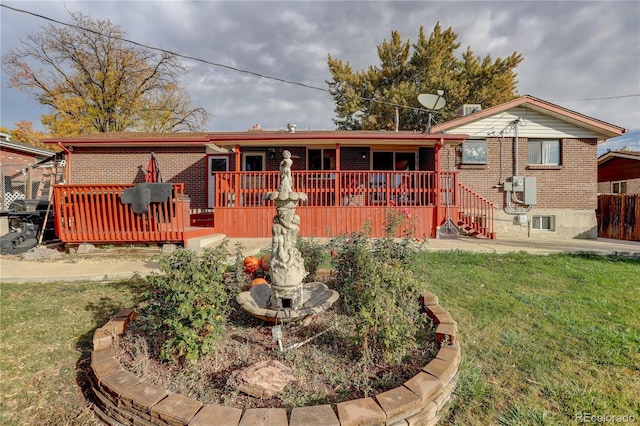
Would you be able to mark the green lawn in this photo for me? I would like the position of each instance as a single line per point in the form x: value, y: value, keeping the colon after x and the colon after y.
x: 543, y: 338
x: 45, y: 335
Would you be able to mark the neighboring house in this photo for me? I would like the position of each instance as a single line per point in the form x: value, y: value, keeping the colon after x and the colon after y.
x: 462, y: 171
x: 20, y: 178
x: 619, y: 172
x: 537, y: 162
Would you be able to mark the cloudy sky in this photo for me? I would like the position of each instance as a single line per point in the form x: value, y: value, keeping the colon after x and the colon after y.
x: 584, y: 56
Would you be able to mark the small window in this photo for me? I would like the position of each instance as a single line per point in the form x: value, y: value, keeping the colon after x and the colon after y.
x: 543, y: 151
x: 543, y: 223
x: 619, y: 187
x: 474, y: 152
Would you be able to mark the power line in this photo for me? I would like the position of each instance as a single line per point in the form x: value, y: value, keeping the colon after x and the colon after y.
x: 205, y: 61
x: 254, y: 73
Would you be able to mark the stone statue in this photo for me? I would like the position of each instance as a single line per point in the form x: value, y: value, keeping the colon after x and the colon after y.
x: 285, y: 173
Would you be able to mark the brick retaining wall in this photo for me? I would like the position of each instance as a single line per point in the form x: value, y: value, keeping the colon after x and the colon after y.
x: 122, y: 398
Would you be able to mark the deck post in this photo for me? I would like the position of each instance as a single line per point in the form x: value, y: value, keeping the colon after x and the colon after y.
x: 337, y: 186
x: 236, y: 177
x: 437, y: 199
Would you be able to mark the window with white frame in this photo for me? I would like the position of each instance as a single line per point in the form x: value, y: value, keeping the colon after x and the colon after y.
x: 474, y: 152
x: 544, y: 151
x: 619, y: 187
x: 543, y: 223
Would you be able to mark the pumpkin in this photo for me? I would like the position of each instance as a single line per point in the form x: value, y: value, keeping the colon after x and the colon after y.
x: 251, y: 264
x: 265, y: 262
x: 258, y: 281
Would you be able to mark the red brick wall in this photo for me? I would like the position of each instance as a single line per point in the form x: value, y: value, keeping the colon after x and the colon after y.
x: 570, y: 185
x: 111, y: 165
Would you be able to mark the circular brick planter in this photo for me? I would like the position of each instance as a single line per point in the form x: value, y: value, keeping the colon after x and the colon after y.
x: 123, y: 398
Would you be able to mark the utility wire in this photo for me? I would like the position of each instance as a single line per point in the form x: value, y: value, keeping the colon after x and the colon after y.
x: 196, y: 59
x: 254, y: 73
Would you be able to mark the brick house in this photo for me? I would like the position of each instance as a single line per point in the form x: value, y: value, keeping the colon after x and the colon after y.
x: 460, y: 171
x: 20, y: 179
x: 619, y: 172
x: 546, y: 151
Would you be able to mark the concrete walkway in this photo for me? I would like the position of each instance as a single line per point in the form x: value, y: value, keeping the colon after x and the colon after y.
x: 88, y: 269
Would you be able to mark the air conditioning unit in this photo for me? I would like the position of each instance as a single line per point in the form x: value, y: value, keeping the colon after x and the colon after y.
x: 467, y: 109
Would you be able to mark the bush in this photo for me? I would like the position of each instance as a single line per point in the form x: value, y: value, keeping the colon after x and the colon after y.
x: 380, y: 293
x: 313, y: 252
x: 189, y: 303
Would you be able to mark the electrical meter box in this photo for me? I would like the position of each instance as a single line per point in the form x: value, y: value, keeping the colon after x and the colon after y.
x: 529, y: 190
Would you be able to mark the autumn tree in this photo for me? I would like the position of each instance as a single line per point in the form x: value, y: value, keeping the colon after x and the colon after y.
x: 367, y: 99
x: 96, y: 82
x: 24, y: 132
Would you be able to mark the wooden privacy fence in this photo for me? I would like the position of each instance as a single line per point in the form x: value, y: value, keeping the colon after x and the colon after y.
x: 95, y: 214
x: 619, y: 216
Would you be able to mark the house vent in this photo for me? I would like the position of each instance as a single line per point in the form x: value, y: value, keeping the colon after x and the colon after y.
x: 467, y: 109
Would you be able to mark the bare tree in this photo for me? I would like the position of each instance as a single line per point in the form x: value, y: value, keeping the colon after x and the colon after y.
x: 96, y: 82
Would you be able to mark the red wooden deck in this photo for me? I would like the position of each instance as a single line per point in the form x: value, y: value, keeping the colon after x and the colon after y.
x: 338, y: 202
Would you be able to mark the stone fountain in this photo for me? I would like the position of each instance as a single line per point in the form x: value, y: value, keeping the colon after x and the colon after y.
x: 286, y: 298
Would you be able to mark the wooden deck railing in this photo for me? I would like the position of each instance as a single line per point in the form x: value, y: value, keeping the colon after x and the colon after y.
x: 476, y: 212
x: 329, y: 188
x: 95, y: 214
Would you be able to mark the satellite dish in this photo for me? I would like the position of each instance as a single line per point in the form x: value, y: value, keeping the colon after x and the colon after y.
x: 432, y: 102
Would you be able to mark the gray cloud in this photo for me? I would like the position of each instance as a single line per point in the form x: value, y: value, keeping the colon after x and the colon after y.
x: 573, y: 50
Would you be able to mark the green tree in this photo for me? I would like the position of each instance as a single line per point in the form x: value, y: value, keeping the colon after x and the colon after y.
x: 367, y: 99
x: 95, y: 82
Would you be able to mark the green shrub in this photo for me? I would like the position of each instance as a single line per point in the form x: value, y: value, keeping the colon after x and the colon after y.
x: 189, y: 303
x: 380, y: 293
x: 313, y: 252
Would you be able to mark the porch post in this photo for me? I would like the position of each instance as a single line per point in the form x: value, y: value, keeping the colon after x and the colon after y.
x: 338, y: 180
x: 236, y: 185
x: 438, y: 146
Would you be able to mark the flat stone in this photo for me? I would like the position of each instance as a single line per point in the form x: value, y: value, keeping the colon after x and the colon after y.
x: 102, y: 339
x: 105, y: 367
x: 264, y: 417
x: 443, y: 370
x: 428, y: 298
x: 426, y: 417
x: 359, y: 412
x: 117, y: 383
x: 398, y: 403
x: 446, y: 332
x: 262, y: 380
x: 424, y: 385
x: 449, y: 353
x: 219, y: 415
x: 314, y: 415
x: 144, y: 395
x: 176, y: 409
x: 102, y: 354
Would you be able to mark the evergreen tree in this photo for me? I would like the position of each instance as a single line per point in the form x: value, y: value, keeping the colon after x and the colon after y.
x: 367, y: 99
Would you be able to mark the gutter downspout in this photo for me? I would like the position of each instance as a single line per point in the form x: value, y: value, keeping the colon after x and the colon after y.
x: 67, y: 170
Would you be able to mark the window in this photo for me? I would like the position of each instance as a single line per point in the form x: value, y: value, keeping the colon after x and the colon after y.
x: 619, y: 187
x: 474, y: 152
x: 544, y: 151
x: 389, y: 160
x: 322, y: 159
x: 543, y: 223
